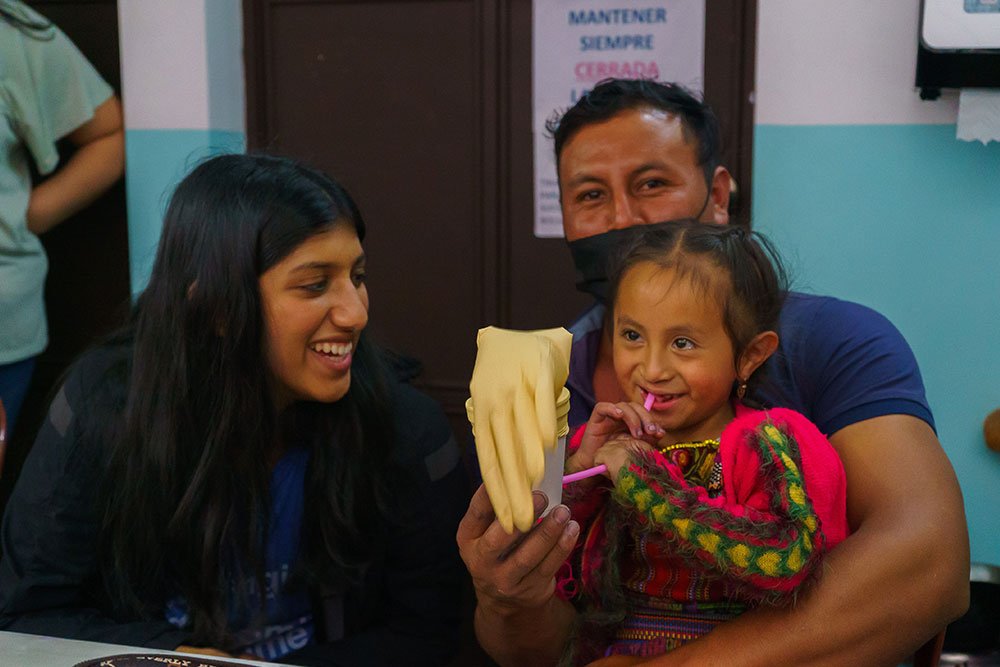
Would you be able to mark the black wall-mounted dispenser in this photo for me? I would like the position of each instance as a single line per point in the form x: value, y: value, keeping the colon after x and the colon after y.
x: 958, y: 46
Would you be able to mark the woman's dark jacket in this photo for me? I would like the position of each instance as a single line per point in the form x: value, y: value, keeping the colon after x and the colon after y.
x: 406, y: 612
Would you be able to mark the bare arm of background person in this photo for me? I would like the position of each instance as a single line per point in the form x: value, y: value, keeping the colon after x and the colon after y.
x: 95, y: 166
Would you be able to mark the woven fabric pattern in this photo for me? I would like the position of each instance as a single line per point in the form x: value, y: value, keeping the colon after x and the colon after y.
x: 648, y: 631
x: 766, y: 554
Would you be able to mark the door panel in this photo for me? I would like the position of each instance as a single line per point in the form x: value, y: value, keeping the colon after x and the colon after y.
x: 422, y: 108
x: 394, y: 100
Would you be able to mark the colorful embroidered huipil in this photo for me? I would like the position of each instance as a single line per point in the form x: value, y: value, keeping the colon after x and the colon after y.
x: 692, y: 552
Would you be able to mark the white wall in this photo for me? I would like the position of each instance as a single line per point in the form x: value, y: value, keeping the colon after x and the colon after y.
x: 183, y: 93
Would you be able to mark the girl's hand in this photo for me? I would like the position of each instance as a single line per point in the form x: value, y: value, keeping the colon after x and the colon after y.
x: 615, y: 452
x: 612, y: 420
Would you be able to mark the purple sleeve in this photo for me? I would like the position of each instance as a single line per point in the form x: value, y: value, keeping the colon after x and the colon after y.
x: 840, y: 363
x: 582, y: 362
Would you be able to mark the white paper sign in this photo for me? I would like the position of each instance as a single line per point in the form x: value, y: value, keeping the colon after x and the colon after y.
x: 580, y: 42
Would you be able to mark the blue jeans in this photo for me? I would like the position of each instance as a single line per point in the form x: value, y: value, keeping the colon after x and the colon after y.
x: 14, y: 380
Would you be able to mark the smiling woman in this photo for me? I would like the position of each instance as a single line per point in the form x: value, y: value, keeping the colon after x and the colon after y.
x: 316, y: 304
x: 238, y: 470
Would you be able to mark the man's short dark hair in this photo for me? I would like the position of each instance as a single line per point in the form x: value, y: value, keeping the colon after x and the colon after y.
x: 612, y: 96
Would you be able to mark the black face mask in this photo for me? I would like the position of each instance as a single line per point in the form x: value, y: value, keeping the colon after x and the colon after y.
x: 593, y: 256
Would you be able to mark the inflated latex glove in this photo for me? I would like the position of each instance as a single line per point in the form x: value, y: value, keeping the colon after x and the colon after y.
x: 515, y: 384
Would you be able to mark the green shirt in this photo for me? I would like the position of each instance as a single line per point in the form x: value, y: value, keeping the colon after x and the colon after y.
x: 47, y: 90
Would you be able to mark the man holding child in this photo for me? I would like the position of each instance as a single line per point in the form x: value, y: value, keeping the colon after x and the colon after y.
x: 636, y: 153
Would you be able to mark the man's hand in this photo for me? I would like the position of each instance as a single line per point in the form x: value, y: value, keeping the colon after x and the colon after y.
x: 512, y: 571
x: 515, y: 384
x: 517, y: 613
x: 908, y: 545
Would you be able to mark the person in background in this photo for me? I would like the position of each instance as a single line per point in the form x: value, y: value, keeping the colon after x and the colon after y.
x: 239, y: 471
x: 635, y: 152
x: 48, y: 91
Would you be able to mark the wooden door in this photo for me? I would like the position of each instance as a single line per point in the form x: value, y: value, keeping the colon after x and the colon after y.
x: 422, y: 108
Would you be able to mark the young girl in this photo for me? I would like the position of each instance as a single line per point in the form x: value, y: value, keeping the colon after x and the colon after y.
x: 238, y: 471
x: 709, y: 505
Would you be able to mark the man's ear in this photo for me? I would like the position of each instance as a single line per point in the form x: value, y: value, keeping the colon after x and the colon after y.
x: 756, y: 353
x: 717, y: 210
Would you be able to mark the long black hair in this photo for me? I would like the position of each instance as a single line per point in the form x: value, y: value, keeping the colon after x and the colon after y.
x: 187, y: 500
x: 739, y: 268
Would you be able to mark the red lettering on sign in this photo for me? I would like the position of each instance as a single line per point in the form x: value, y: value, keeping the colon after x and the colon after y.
x: 592, y: 72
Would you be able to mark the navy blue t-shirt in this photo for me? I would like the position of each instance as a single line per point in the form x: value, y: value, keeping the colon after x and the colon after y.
x: 288, y: 625
x: 837, y: 363
x: 405, y: 611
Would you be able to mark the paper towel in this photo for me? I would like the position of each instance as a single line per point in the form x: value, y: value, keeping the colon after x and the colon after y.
x: 979, y: 114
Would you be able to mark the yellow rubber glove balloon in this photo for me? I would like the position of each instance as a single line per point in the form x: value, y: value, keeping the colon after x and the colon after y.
x: 515, y: 384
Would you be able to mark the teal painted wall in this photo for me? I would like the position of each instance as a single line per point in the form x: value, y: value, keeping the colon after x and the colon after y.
x: 157, y: 161
x: 905, y: 219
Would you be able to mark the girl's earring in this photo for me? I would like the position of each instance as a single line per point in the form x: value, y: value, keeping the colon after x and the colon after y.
x: 741, y: 390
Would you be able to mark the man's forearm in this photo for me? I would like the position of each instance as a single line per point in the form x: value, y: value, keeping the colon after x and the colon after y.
x: 900, y: 578
x: 525, y: 636
x: 856, y: 615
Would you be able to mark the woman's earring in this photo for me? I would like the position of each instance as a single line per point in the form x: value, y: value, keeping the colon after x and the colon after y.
x: 741, y: 390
